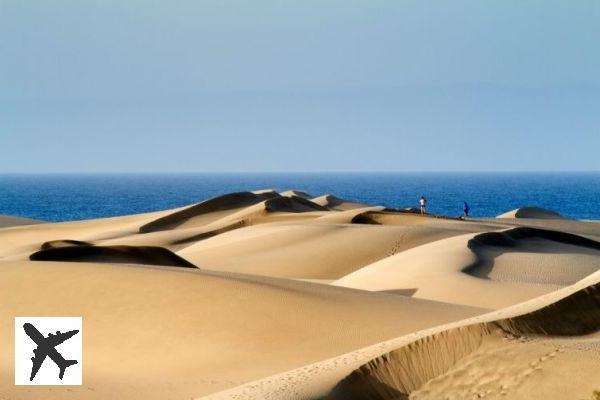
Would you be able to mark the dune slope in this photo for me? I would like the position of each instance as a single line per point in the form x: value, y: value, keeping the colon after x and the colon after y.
x: 319, y: 249
x: 506, y: 357
x: 149, y: 255
x: 206, y: 210
x: 151, y: 332
x: 490, y: 270
x: 545, y: 348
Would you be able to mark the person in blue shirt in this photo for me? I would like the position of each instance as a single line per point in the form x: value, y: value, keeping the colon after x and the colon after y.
x: 466, y: 209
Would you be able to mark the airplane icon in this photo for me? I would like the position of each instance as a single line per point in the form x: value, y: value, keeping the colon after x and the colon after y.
x: 46, y: 347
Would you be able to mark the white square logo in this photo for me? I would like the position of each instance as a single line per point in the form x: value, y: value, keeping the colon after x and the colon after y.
x: 48, y: 350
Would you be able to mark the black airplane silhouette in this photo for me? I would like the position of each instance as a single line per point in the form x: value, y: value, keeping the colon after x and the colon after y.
x: 46, y: 347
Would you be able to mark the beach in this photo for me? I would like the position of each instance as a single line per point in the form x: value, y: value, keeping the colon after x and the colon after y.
x: 270, y: 294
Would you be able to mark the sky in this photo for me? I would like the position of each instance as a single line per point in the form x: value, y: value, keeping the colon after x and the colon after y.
x: 280, y: 86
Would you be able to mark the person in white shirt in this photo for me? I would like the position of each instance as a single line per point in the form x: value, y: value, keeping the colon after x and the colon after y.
x: 423, y: 204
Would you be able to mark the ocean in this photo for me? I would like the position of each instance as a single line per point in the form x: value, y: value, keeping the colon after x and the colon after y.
x: 64, y: 197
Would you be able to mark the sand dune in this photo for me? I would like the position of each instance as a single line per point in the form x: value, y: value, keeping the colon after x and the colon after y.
x: 523, y: 352
x: 175, y: 239
x: 244, y: 206
x: 335, y: 203
x: 388, y: 217
x: 348, y: 216
x: 207, y: 211
x: 506, y: 357
x: 587, y: 229
x: 322, y: 249
x: 531, y: 212
x: 303, y: 297
x: 82, y: 252
x: 176, y: 332
x: 491, y: 270
x: 57, y: 244
x: 292, y: 204
x: 534, y: 256
x: 21, y: 239
x: 298, y: 193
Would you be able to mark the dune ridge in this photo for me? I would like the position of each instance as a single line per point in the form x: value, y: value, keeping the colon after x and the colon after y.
x: 224, y: 202
x: 83, y: 252
x: 396, y: 374
x: 531, y: 212
x: 335, y: 203
x: 292, y: 204
x: 572, y: 256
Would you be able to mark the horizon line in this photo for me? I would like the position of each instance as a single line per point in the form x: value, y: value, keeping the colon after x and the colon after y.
x: 297, y: 172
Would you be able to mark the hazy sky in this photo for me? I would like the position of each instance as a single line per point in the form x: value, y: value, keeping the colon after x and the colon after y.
x: 93, y: 86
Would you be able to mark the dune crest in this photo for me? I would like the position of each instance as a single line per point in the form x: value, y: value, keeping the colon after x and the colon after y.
x: 554, y: 257
x: 227, y: 202
x: 292, y: 203
x: 73, y: 251
x: 531, y: 212
x: 298, y: 193
x: 56, y: 244
x: 335, y: 203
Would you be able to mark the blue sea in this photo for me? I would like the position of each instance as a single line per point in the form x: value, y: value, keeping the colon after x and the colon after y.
x: 58, y: 197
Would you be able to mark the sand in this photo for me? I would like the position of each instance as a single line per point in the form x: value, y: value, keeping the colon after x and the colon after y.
x: 507, y: 353
x: 198, y: 331
x: 267, y: 295
x: 8, y: 221
x: 490, y: 272
x: 531, y: 212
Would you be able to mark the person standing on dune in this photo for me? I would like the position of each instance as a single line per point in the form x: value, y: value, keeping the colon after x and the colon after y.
x: 423, y: 205
x: 466, y: 209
